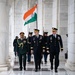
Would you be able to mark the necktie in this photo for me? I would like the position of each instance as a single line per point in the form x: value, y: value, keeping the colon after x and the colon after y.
x: 54, y: 35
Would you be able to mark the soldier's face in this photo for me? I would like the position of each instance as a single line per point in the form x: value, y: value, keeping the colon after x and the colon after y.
x: 54, y: 31
x: 45, y: 34
x: 36, y: 32
x: 21, y: 35
x: 30, y: 35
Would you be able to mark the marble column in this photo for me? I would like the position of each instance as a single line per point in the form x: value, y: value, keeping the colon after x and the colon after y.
x: 40, y: 26
x: 63, y: 24
x: 71, y: 35
x: 11, y: 29
x: 4, y: 33
x: 47, y: 16
x: 54, y: 14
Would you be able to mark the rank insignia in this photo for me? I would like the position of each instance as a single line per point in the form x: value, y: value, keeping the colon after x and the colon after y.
x: 40, y: 38
x: 50, y: 38
x: 58, y: 38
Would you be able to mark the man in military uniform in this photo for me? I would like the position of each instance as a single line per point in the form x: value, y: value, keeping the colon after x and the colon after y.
x: 29, y: 39
x: 22, y: 50
x: 15, y: 45
x: 45, y: 50
x: 37, y: 42
x: 55, y: 43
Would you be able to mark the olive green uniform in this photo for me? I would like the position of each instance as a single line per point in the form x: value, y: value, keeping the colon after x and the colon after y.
x: 22, y: 50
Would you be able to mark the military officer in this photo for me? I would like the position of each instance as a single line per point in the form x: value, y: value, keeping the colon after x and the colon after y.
x: 15, y: 45
x: 45, y: 50
x: 55, y: 43
x: 37, y: 43
x: 29, y: 39
x: 22, y: 50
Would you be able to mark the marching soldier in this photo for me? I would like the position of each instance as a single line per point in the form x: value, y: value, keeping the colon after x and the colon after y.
x: 37, y: 42
x: 55, y: 43
x: 29, y: 39
x: 22, y: 50
x: 15, y: 45
x: 45, y: 50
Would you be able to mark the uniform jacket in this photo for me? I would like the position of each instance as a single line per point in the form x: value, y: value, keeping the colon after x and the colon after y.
x: 37, y: 43
x: 55, y: 44
x: 22, y: 46
x: 29, y: 39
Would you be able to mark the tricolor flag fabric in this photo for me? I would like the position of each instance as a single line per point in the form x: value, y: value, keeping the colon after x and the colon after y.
x: 30, y: 16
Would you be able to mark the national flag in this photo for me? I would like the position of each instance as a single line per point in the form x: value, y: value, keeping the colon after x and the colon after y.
x: 31, y: 15
x: 34, y: 18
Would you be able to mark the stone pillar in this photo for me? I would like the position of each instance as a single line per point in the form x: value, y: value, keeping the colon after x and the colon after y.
x: 63, y: 24
x: 4, y: 31
x: 47, y: 16
x: 55, y: 14
x: 40, y: 26
x: 71, y: 35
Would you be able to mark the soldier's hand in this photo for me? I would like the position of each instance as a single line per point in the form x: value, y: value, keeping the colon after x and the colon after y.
x: 61, y: 49
x: 43, y: 50
x: 43, y: 47
x: 31, y: 48
x: 31, y: 51
x: 47, y: 48
x: 47, y: 51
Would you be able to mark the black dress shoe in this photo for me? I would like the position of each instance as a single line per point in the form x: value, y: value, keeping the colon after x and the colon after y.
x: 20, y: 69
x: 56, y: 71
x: 45, y: 62
x: 24, y: 68
x: 36, y: 70
x: 39, y: 68
x: 51, y: 68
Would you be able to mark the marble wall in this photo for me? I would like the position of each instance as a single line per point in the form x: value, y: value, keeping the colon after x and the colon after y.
x: 63, y: 23
x: 4, y: 33
x: 71, y: 35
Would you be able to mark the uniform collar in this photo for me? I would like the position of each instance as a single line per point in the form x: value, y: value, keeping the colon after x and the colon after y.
x: 55, y: 35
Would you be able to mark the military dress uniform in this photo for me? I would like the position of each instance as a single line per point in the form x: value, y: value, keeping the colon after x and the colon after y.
x: 29, y: 39
x: 45, y: 50
x: 55, y: 43
x: 22, y: 50
x: 37, y: 42
x: 15, y: 45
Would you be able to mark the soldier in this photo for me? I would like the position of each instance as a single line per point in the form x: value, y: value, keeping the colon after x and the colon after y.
x: 22, y: 50
x: 37, y: 42
x: 55, y: 43
x: 29, y: 39
x: 15, y: 45
x: 45, y: 50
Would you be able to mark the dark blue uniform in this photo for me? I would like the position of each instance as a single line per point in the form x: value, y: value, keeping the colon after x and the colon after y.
x: 29, y: 39
x: 55, y: 43
x: 15, y: 46
x: 45, y: 38
x: 37, y: 43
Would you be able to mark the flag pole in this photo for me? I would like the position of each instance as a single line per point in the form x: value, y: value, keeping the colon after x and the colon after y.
x: 36, y: 24
x: 28, y: 25
x: 37, y: 19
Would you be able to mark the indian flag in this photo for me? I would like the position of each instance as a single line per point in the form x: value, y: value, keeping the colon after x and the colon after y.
x: 31, y: 15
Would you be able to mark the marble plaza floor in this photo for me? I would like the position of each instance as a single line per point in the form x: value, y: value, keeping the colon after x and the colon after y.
x: 44, y: 71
